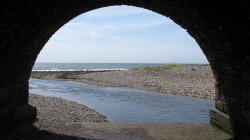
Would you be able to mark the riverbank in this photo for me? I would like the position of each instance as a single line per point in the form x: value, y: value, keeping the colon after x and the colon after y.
x: 59, y: 119
x: 52, y: 109
x: 186, y: 80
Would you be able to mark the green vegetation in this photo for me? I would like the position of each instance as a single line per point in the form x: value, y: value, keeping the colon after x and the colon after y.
x: 209, y: 67
x: 170, y: 66
x: 151, y: 68
x: 162, y: 67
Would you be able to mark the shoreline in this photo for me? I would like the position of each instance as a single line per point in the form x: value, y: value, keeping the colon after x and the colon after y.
x: 53, y: 109
x: 59, y: 127
x: 62, y: 119
x: 195, y: 80
x: 68, y: 124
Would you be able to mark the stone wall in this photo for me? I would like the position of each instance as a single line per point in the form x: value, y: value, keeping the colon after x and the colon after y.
x: 221, y: 29
x: 14, y: 108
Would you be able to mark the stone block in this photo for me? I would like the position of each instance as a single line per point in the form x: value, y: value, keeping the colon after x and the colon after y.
x: 221, y: 120
x: 221, y: 106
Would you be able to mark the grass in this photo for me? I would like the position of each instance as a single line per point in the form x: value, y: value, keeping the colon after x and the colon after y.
x: 170, y: 66
x: 161, y: 67
x: 151, y: 68
x: 209, y: 66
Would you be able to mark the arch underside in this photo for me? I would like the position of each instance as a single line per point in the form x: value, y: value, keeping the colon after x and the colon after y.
x: 220, y: 32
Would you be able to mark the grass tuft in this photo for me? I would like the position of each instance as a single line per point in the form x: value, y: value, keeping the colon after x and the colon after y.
x: 162, y: 67
x: 151, y: 68
x: 170, y: 66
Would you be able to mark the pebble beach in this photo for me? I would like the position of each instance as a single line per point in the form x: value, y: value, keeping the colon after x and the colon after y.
x: 185, y: 80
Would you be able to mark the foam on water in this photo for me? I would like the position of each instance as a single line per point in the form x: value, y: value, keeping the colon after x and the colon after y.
x: 87, y: 66
x: 83, y: 70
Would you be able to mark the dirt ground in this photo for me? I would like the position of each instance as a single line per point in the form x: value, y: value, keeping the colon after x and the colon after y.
x: 118, y: 131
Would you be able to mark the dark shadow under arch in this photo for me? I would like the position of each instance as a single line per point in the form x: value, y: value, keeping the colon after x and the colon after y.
x: 28, y: 25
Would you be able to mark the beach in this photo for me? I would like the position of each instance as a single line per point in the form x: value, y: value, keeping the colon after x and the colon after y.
x: 186, y: 80
x: 62, y: 119
x: 52, y: 109
x: 59, y: 119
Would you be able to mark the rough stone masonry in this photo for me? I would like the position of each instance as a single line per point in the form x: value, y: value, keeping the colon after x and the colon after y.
x: 222, y: 30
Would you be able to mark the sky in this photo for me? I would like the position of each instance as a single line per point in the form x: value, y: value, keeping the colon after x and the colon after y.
x: 121, y: 34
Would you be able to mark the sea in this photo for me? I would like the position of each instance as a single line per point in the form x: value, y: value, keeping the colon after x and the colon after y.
x: 88, y: 66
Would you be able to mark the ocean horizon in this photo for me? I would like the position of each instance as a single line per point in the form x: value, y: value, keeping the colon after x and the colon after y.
x: 89, y: 66
x: 41, y: 66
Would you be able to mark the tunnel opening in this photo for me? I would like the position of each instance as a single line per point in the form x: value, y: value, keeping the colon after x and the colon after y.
x: 221, y: 34
x: 175, y: 32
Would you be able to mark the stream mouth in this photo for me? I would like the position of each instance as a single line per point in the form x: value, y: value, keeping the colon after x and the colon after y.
x: 126, y: 104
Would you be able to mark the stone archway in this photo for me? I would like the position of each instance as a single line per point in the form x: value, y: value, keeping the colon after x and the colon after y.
x: 221, y: 30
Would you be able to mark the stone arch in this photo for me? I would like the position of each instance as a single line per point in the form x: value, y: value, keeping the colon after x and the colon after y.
x: 28, y: 25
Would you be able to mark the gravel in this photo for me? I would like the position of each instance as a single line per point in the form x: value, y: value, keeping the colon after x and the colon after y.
x: 186, y: 80
x: 52, y: 109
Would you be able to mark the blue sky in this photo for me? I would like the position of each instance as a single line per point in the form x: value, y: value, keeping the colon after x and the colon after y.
x: 121, y: 34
